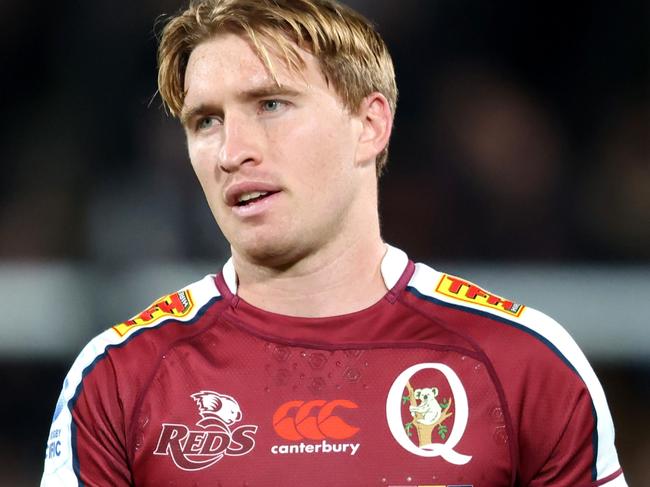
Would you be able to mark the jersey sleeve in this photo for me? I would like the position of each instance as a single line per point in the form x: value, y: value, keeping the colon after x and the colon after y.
x: 90, y: 437
x: 86, y: 444
x: 569, y: 415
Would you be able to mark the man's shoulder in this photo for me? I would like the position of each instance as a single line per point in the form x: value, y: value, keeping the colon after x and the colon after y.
x: 490, y: 319
x: 184, y: 307
x: 460, y: 293
x: 113, y: 367
x: 532, y: 354
x: 520, y: 341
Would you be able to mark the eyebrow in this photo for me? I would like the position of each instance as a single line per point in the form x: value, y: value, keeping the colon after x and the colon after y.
x: 190, y: 113
x: 271, y: 90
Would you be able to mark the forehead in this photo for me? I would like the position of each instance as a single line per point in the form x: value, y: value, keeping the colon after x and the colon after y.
x: 229, y: 62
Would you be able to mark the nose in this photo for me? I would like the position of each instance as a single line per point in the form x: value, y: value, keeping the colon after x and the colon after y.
x: 240, y: 144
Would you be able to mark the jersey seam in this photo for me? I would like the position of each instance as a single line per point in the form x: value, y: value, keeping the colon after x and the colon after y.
x: 565, y: 422
x: 340, y: 346
x: 499, y: 319
x: 514, y: 451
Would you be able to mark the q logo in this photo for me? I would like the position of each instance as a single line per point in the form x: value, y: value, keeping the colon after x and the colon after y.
x: 396, y: 400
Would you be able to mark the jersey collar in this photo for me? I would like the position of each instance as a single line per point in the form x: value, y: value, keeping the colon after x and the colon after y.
x: 393, y: 265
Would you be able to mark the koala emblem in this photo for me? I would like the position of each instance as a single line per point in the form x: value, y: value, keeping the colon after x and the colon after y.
x: 429, y: 408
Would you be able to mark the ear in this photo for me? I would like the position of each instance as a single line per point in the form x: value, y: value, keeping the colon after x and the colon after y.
x: 377, y: 125
x: 435, y: 392
x: 417, y: 393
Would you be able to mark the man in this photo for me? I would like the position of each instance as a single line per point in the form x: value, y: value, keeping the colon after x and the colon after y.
x: 319, y: 355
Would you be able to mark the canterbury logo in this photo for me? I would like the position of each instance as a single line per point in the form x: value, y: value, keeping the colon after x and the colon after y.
x: 313, y: 420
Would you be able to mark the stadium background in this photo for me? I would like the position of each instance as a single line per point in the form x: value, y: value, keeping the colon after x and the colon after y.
x: 520, y: 160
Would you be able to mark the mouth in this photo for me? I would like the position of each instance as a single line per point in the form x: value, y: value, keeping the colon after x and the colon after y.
x: 252, y: 197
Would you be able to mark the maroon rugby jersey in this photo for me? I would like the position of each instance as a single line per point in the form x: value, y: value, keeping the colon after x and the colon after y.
x: 440, y: 383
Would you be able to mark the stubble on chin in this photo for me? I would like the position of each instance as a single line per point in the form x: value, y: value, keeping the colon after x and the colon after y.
x: 264, y: 250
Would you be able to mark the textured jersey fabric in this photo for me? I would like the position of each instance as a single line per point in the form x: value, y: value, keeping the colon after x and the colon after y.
x: 440, y: 383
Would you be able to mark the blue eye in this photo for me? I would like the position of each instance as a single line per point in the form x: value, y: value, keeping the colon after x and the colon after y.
x: 205, y: 123
x: 271, y: 105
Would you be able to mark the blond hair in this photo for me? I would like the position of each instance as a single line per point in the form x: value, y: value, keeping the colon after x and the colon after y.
x: 352, y: 56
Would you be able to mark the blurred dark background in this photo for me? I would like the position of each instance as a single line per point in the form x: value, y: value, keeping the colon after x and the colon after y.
x: 522, y: 138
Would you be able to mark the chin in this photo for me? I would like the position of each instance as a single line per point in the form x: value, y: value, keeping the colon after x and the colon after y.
x: 268, y: 251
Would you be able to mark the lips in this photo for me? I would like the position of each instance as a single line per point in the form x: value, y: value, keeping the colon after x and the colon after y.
x: 247, y: 193
x: 251, y: 197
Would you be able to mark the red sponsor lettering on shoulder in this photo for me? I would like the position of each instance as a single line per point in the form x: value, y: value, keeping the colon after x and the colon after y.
x: 178, y: 304
x: 461, y: 290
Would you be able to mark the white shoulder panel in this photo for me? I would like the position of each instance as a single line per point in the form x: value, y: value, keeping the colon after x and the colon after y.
x: 182, y: 305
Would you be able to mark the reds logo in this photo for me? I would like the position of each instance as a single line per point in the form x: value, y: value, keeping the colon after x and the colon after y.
x: 202, y: 448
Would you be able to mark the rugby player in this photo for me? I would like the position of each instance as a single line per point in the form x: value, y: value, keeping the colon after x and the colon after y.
x: 318, y: 354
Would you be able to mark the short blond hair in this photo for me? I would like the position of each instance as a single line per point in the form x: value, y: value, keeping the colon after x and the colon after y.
x: 352, y: 55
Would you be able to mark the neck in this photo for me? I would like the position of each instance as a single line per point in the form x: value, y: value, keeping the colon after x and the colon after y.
x: 340, y: 278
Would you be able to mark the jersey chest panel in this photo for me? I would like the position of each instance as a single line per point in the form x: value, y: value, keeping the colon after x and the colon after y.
x: 230, y: 408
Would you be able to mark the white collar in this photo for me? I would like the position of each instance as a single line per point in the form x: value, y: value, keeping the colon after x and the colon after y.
x: 392, y: 267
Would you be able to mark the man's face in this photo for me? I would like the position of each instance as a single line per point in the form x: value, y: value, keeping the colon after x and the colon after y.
x: 278, y: 164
